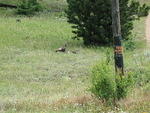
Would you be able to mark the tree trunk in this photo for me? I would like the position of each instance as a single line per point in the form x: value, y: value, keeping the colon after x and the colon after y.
x: 118, y: 49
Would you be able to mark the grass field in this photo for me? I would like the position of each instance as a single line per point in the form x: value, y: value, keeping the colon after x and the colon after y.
x: 31, y: 73
x: 36, y: 79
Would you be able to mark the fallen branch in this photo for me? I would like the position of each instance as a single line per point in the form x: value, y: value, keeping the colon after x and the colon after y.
x: 7, y: 6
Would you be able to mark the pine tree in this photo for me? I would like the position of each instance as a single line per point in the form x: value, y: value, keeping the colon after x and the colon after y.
x: 92, y: 19
x: 27, y: 7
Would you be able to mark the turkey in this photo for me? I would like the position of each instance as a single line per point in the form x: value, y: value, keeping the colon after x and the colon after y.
x: 62, y: 49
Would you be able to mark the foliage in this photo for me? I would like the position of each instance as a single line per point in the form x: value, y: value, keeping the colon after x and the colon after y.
x: 129, y: 44
x: 109, y: 56
x: 103, y: 82
x: 141, y: 11
x: 123, y: 85
x: 92, y: 19
x: 27, y: 7
x: 108, y: 86
x: 144, y: 10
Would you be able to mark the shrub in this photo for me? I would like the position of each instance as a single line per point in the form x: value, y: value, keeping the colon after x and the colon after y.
x: 144, y: 10
x: 108, y: 86
x: 27, y: 7
x: 130, y: 44
x: 92, y: 19
x: 103, y: 82
x: 123, y: 86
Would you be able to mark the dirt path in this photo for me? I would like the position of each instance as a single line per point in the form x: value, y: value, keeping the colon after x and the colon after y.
x: 148, y: 30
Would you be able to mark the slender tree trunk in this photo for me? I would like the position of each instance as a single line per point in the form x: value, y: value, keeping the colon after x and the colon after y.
x: 118, y: 49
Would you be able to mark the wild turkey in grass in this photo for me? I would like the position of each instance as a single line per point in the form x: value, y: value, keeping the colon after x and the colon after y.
x: 62, y: 49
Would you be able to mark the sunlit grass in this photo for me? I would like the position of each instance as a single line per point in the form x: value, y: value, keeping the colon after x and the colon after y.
x: 32, y: 75
x: 36, y: 79
x: 35, y: 33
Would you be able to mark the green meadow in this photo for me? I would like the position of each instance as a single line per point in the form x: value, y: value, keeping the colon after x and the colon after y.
x: 36, y: 79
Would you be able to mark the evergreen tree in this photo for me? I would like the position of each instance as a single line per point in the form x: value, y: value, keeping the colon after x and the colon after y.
x: 27, y: 7
x: 92, y: 19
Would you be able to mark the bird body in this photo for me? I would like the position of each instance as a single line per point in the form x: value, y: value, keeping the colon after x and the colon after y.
x: 62, y: 49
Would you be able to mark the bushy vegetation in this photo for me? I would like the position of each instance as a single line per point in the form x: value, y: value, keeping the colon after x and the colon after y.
x: 92, y: 19
x: 103, y: 82
x: 130, y: 44
x: 27, y: 7
x: 123, y: 86
x: 144, y: 10
x: 108, y: 86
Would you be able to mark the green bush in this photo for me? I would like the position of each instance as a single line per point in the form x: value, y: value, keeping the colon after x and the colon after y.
x: 103, y: 82
x: 108, y: 86
x: 144, y: 10
x: 129, y: 44
x: 27, y: 7
x: 123, y: 86
x: 92, y: 19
